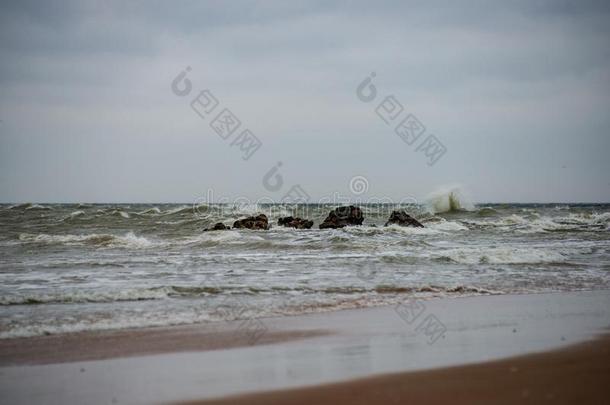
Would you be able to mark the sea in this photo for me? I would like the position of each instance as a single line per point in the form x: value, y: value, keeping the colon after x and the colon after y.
x: 88, y: 267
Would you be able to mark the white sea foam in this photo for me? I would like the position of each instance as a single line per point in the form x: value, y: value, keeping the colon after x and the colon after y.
x: 38, y: 207
x: 30, y: 207
x: 228, y: 309
x: 108, y: 272
x: 150, y: 211
x: 504, y: 255
x: 129, y: 240
x: 409, y: 230
x: 433, y: 228
x: 75, y: 214
x: 118, y: 321
x: 81, y: 296
x: 448, y: 226
x: 218, y: 237
x: 181, y: 209
x: 544, y: 224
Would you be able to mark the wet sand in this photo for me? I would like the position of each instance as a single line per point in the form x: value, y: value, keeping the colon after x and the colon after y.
x: 579, y: 374
x: 215, y: 361
x: 102, y: 345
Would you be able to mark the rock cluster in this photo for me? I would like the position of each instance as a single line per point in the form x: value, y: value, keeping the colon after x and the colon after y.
x: 403, y: 219
x: 337, y: 218
x: 292, y: 222
x: 343, y: 216
x: 259, y: 222
x: 219, y: 226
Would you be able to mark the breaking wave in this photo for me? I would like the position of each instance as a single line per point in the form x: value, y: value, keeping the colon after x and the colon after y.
x: 162, y: 292
x: 150, y: 211
x: 129, y: 240
x: 30, y: 207
x: 488, y: 255
x: 448, y: 199
x: 535, y: 223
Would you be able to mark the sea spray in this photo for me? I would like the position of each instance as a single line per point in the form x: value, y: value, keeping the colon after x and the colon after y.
x: 449, y: 199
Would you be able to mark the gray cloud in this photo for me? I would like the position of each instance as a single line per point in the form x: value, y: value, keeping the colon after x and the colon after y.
x: 517, y: 92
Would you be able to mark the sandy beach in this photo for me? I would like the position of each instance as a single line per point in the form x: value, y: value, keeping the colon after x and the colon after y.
x: 367, y: 356
x: 208, y: 202
x: 576, y: 375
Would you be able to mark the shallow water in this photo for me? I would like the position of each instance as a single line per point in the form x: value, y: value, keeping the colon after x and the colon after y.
x: 70, y: 267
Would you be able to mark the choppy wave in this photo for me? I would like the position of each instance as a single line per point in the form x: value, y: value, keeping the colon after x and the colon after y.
x: 183, y: 209
x: 30, y: 207
x: 150, y: 211
x: 120, y: 213
x: 163, y: 292
x: 543, y: 224
x: 75, y: 215
x: 83, y: 296
x: 103, y: 266
x: 129, y: 240
x: 487, y: 255
x: 220, y: 309
x: 486, y: 212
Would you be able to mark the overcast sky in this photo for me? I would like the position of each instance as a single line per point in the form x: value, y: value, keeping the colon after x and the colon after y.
x: 518, y: 94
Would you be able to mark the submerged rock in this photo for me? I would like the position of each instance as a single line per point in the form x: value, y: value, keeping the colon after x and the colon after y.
x: 343, y: 216
x: 403, y: 219
x: 219, y: 226
x: 292, y: 222
x: 258, y: 222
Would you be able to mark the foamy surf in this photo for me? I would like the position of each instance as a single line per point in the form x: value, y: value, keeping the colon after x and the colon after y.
x: 496, y: 255
x: 90, y: 267
x: 141, y: 308
x: 129, y: 240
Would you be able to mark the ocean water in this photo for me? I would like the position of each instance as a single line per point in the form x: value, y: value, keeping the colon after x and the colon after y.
x: 71, y: 267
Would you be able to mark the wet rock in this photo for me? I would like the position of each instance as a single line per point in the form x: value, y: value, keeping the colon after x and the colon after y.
x: 258, y: 222
x: 343, y: 216
x: 403, y: 219
x: 292, y: 222
x: 219, y: 226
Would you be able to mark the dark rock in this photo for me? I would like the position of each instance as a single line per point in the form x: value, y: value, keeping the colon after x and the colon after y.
x: 292, y: 222
x: 343, y: 216
x: 258, y: 222
x: 403, y: 219
x: 218, y: 227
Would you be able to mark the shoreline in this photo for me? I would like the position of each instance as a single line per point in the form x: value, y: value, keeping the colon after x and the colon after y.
x: 106, y: 344
x: 576, y: 374
x: 207, y: 361
x: 114, y: 344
